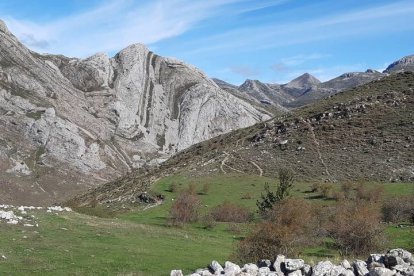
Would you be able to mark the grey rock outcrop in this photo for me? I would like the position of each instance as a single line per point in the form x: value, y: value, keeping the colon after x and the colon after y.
x: 82, y: 122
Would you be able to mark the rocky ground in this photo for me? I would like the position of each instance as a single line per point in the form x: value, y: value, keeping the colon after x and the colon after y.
x: 25, y: 215
x: 398, y: 262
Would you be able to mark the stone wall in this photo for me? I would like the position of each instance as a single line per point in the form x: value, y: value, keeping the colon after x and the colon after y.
x: 394, y: 262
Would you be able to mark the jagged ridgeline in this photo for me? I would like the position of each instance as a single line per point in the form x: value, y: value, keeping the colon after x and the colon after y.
x: 366, y: 133
x: 68, y: 124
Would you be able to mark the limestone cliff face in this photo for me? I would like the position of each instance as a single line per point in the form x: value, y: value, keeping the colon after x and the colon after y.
x: 68, y: 123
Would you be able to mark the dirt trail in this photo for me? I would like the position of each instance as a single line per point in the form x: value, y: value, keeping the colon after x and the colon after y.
x: 258, y: 167
x: 223, y: 163
x: 316, y: 142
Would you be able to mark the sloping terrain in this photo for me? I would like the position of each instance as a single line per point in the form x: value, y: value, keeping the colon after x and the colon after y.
x: 364, y: 133
x: 67, y: 124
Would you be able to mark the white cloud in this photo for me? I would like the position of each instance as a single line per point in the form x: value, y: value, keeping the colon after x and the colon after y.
x: 369, y: 21
x: 116, y: 24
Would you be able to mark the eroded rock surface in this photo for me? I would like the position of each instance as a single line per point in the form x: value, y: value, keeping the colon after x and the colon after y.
x: 67, y: 124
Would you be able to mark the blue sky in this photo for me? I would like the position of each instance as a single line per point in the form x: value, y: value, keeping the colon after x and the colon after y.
x: 269, y: 40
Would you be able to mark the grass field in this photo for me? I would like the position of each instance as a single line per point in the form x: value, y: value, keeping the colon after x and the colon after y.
x: 137, y: 242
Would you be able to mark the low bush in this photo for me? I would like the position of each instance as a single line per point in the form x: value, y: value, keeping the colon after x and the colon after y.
x: 369, y: 194
x: 326, y: 190
x: 208, y: 221
x: 356, y: 227
x: 347, y: 189
x: 173, y: 188
x: 186, y: 207
x: 399, y: 210
x: 288, y: 227
x: 231, y: 212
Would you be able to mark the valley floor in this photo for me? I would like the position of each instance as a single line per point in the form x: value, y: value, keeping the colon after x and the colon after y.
x: 140, y: 242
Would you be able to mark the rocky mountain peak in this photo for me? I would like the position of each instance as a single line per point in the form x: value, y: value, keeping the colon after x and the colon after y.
x: 371, y: 71
x: 91, y: 120
x: 404, y: 64
x: 305, y: 80
x: 251, y: 85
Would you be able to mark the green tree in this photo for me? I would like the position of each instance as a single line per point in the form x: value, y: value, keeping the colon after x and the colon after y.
x: 283, y: 189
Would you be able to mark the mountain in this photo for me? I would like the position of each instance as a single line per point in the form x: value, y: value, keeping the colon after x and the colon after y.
x: 67, y: 124
x: 266, y: 95
x: 336, y: 85
x: 306, y: 88
x: 404, y: 64
x: 301, y: 85
x: 366, y: 133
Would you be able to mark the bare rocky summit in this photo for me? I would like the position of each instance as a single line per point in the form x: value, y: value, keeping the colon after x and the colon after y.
x: 404, y: 64
x: 69, y: 123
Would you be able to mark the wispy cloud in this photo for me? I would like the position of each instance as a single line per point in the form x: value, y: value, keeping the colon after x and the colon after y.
x: 244, y: 71
x: 289, y: 63
x: 375, y: 20
x: 116, y: 24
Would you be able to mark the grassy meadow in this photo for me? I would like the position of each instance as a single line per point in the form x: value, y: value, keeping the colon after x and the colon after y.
x: 134, y: 241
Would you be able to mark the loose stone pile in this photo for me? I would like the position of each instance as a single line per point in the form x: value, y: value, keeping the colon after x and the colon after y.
x: 398, y: 262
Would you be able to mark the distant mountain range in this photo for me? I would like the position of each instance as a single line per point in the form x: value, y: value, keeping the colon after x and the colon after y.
x: 306, y: 88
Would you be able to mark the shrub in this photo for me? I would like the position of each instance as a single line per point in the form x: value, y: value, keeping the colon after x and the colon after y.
x: 186, y: 207
x: 288, y: 228
x: 235, y: 228
x: 347, y: 189
x: 283, y: 190
x: 339, y: 195
x: 398, y: 210
x: 356, y: 227
x: 208, y: 221
x: 286, y: 177
x: 369, y: 194
x: 326, y: 190
x: 315, y: 187
x: 173, y: 188
x: 230, y: 212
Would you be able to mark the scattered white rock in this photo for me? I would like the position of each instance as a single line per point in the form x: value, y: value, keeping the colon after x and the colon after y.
x: 19, y: 168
